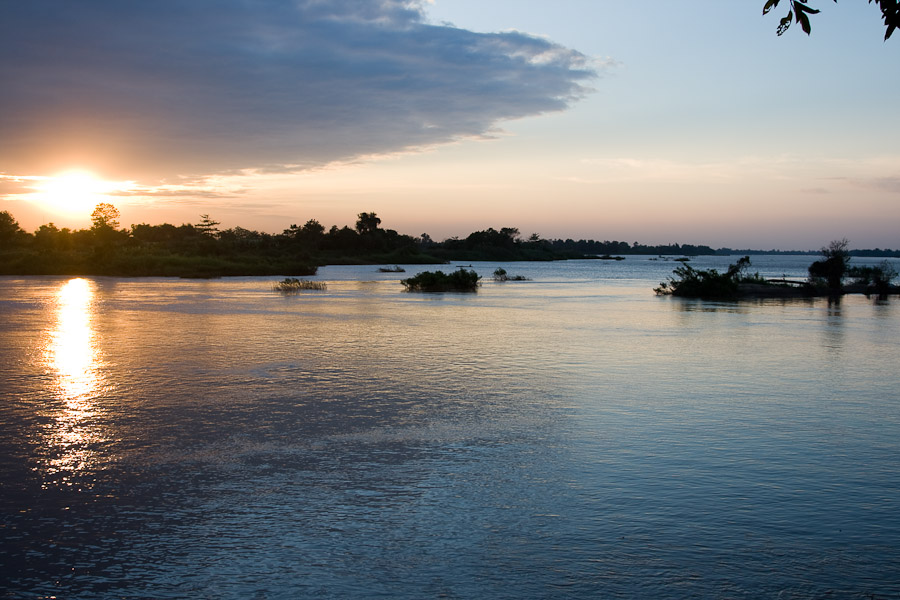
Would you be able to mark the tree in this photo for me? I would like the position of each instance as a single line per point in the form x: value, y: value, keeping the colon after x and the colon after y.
x: 105, y: 217
x: 105, y: 229
x: 367, y: 223
x: 511, y: 232
x: 314, y: 230
x: 207, y: 226
x: 799, y: 12
x: 833, y: 267
x: 49, y: 238
x: 10, y: 232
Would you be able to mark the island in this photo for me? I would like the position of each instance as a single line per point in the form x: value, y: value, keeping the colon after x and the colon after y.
x: 826, y: 279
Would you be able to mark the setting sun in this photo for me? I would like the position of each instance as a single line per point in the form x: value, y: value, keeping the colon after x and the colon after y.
x: 75, y: 192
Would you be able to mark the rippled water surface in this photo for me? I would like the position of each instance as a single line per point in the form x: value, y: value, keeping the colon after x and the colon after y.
x: 571, y: 436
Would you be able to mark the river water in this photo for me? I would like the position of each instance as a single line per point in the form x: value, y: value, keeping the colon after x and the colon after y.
x: 570, y: 436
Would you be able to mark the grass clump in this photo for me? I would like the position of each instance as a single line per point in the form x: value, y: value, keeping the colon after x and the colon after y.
x: 292, y: 285
x: 437, y: 281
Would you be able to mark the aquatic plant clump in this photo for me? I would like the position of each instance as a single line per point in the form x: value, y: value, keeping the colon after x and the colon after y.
x: 437, y: 281
x: 500, y: 274
x: 708, y: 283
x: 293, y: 285
x: 394, y: 269
x: 879, y: 277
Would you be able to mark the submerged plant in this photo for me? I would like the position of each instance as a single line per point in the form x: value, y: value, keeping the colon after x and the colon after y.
x: 293, y: 285
x: 438, y: 281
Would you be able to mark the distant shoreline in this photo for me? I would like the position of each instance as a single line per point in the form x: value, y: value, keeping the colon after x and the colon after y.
x: 202, y: 250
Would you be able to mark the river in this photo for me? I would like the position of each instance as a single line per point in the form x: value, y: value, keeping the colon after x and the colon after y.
x: 569, y: 436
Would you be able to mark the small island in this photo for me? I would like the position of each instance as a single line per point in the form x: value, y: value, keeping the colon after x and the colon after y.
x: 826, y: 279
x: 462, y: 280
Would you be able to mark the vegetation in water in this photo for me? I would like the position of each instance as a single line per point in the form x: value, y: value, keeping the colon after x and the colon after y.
x: 877, y: 278
x: 830, y: 271
x: 394, y: 269
x: 500, y: 274
x: 292, y: 285
x: 437, y: 281
x: 708, y: 283
x: 826, y: 277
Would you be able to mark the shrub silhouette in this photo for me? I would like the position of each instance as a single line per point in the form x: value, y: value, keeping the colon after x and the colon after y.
x: 500, y: 274
x: 707, y: 283
x: 438, y: 281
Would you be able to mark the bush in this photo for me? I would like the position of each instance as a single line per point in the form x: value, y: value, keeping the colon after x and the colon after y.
x: 501, y: 275
x: 438, y: 281
x: 707, y: 283
x: 879, y: 277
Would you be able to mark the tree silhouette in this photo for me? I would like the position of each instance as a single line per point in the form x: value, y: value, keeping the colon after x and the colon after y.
x: 833, y: 267
x: 105, y: 216
x: 207, y: 226
x: 799, y: 12
x: 10, y: 232
x: 105, y: 229
x: 367, y: 223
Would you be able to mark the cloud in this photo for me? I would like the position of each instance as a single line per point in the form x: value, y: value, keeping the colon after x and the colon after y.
x: 873, y: 180
x: 887, y: 184
x: 166, y: 88
x: 13, y: 185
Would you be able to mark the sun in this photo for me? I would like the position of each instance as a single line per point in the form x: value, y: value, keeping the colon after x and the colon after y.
x: 73, y: 192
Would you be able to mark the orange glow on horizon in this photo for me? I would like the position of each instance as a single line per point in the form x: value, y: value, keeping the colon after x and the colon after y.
x: 75, y: 192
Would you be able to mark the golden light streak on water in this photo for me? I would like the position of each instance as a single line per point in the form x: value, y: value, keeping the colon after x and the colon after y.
x: 74, y: 359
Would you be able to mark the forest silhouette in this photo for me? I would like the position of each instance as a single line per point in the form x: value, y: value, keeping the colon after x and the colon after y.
x: 204, y: 250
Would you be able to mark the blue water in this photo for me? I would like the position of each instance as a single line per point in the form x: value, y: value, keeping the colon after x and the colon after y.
x: 570, y: 436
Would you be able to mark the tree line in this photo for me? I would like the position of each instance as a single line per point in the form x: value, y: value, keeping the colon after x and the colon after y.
x: 202, y: 249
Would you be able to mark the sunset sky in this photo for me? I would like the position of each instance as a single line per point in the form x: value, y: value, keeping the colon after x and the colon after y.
x: 652, y: 121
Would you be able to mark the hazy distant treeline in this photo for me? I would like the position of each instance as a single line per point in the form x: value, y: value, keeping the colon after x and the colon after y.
x: 607, y: 247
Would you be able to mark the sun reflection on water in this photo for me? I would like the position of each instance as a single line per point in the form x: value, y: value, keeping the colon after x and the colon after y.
x: 74, y: 359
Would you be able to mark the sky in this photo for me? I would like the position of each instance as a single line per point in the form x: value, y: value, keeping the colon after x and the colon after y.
x: 654, y: 122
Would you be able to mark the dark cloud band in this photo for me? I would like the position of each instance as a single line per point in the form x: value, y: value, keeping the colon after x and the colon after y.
x: 173, y: 87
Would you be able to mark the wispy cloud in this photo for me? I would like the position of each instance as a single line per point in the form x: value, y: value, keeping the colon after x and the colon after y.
x: 158, y: 89
x: 815, y: 191
x: 13, y: 185
x: 887, y: 184
x: 871, y: 172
